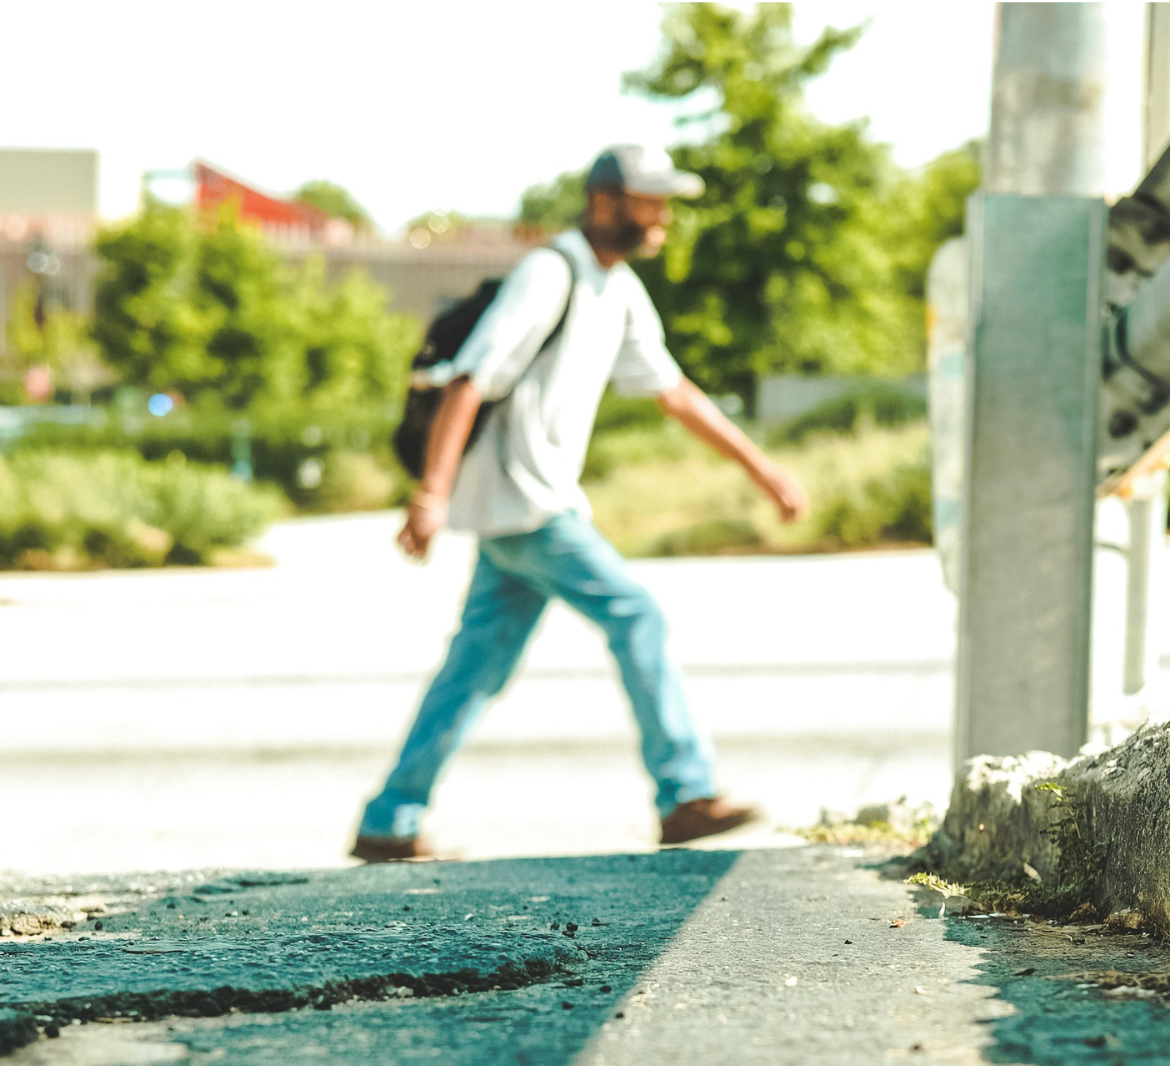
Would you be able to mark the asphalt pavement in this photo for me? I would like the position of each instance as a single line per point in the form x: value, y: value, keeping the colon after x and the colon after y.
x: 805, y: 955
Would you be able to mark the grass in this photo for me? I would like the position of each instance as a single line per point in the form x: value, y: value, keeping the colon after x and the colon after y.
x: 655, y: 491
x: 851, y: 833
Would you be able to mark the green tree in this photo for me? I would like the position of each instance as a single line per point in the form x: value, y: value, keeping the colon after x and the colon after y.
x: 781, y: 264
x: 807, y: 252
x: 41, y: 331
x: 143, y: 320
x: 248, y: 328
x: 927, y: 208
x: 205, y: 307
x: 58, y: 340
x: 555, y: 206
x: 336, y: 202
x: 353, y: 348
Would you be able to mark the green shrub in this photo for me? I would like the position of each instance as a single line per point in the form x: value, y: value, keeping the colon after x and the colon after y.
x: 718, y: 536
x: 278, y: 444
x: 353, y: 481
x: 68, y: 510
x: 882, y: 405
x: 865, y: 490
x: 626, y: 412
x: 895, y: 508
x: 631, y: 445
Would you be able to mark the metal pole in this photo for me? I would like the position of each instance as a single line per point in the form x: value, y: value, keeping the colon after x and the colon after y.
x: 1147, y: 507
x: 1147, y: 535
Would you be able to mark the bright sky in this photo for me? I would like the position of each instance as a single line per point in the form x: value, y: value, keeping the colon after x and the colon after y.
x: 449, y: 105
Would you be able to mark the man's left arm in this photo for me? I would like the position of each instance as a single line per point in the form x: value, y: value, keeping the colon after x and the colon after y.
x: 689, y: 405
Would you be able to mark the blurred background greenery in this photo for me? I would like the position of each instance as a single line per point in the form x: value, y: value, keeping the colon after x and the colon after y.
x: 806, y: 255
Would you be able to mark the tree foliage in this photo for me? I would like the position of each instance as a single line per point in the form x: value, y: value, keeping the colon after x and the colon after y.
x: 353, y: 349
x: 927, y: 208
x: 206, y: 308
x: 808, y: 251
x: 438, y: 226
x: 41, y: 331
x: 144, y: 322
x: 555, y: 206
x: 336, y: 202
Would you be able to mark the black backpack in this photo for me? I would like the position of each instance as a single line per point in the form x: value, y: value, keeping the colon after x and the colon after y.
x: 444, y: 338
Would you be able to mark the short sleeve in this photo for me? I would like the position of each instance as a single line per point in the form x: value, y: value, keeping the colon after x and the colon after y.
x: 515, y: 326
x: 644, y: 367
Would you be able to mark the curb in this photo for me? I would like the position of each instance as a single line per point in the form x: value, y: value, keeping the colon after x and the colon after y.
x: 1086, y: 836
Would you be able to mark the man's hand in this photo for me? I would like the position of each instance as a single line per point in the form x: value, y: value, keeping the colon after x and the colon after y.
x: 783, y: 490
x: 426, y: 515
x: 449, y: 432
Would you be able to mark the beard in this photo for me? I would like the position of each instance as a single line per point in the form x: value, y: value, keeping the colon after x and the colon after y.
x: 626, y: 238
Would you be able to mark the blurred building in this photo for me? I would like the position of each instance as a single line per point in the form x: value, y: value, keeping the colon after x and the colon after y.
x: 283, y: 220
x: 49, y: 193
x: 437, y: 262
x: 424, y: 279
x: 48, y: 217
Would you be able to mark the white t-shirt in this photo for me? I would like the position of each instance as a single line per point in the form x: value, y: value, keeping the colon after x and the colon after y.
x: 526, y: 466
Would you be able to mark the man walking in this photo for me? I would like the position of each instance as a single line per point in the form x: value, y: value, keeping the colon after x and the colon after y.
x: 518, y: 489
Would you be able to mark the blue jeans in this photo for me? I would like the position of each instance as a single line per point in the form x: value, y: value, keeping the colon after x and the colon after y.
x: 514, y: 578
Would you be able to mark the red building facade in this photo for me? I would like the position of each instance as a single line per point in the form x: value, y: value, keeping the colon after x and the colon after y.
x: 289, y: 220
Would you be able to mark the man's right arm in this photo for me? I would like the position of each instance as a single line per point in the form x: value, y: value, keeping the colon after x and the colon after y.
x: 450, y: 429
x: 487, y: 366
x: 687, y: 403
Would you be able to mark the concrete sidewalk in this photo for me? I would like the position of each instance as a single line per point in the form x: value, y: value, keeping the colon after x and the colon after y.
x: 179, y: 718
x: 807, y: 955
x: 239, y: 718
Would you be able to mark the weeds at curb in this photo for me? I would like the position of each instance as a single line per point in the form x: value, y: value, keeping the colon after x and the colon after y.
x: 1069, y: 899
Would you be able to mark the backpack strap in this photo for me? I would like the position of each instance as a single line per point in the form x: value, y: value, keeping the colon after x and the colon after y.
x: 556, y: 330
x: 489, y: 406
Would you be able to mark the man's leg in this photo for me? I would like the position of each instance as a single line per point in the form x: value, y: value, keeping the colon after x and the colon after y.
x: 569, y: 558
x: 498, y: 618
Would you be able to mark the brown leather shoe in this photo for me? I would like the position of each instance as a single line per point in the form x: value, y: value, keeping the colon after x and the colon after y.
x: 704, y: 818
x: 390, y: 849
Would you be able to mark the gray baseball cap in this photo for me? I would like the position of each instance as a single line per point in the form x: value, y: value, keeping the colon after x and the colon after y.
x: 642, y: 170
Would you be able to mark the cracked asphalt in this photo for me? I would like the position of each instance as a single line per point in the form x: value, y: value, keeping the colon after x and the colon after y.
x: 800, y: 955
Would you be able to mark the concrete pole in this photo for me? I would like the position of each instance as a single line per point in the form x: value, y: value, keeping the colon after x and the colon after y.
x: 1047, y: 120
x: 1032, y: 384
